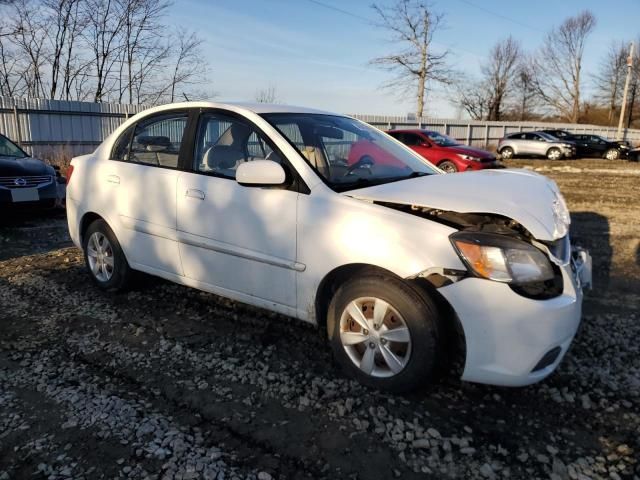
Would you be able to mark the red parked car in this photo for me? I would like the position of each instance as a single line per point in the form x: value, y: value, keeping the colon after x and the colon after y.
x: 444, y: 152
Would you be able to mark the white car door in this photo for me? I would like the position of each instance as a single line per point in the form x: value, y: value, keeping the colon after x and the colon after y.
x: 241, y: 240
x: 143, y: 175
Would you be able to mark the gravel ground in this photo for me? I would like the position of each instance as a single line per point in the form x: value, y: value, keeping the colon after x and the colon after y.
x: 168, y: 382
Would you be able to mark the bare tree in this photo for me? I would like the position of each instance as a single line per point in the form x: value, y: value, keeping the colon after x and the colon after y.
x: 97, y: 49
x: 267, y: 95
x: 485, y: 98
x: 105, y: 20
x: 559, y: 65
x: 9, y: 77
x: 30, y: 41
x: 609, y: 81
x: 65, y: 24
x: 412, y: 25
x: 499, y: 73
x: 75, y: 68
x: 188, y: 67
x: 524, y: 91
x: 473, y: 97
x: 142, y: 45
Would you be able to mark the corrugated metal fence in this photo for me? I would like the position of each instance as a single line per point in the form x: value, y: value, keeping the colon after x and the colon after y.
x: 49, y: 128
x: 484, y: 133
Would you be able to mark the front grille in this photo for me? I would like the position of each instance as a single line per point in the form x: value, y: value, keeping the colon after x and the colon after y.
x: 25, y: 182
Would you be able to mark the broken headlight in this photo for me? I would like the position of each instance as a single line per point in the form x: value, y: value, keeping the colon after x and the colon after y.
x: 501, y: 258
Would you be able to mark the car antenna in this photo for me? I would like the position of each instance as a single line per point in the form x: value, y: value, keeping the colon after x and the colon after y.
x: 185, y: 97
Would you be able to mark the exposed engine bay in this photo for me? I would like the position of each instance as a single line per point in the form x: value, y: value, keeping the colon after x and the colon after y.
x: 558, y: 250
x: 479, y: 222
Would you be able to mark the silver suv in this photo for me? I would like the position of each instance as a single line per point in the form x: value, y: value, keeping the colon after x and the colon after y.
x: 535, y: 143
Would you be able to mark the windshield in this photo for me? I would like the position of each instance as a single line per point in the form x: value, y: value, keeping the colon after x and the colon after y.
x: 348, y: 153
x: 10, y: 149
x: 440, y: 139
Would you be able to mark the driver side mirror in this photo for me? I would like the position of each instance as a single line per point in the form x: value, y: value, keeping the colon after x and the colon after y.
x: 260, y: 173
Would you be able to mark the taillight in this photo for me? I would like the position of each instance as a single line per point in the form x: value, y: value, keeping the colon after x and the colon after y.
x: 69, y: 172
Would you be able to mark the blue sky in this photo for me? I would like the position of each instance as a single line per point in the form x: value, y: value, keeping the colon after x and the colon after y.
x: 317, y: 56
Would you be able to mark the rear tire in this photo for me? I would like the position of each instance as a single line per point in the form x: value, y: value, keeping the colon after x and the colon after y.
x: 612, y: 154
x: 554, y: 154
x: 448, y: 166
x: 394, y: 343
x: 506, y: 153
x: 104, y: 258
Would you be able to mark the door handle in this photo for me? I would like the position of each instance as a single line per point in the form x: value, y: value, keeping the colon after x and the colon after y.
x: 194, y: 193
x: 113, y: 179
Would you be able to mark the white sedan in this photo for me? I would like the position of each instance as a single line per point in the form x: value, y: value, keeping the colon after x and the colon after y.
x: 322, y: 217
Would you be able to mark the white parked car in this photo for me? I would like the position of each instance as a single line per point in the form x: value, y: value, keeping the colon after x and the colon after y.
x: 322, y: 217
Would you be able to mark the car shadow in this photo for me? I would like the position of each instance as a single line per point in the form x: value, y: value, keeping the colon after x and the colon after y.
x: 591, y: 230
x: 24, y: 233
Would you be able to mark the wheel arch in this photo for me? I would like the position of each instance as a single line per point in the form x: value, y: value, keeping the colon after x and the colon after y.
x: 334, y: 279
x: 87, y: 219
x: 454, y: 336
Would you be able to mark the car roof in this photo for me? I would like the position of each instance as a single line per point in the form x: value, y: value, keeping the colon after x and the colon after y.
x: 258, y: 108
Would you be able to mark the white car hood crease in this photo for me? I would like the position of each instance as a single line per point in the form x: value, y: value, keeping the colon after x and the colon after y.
x: 521, y: 195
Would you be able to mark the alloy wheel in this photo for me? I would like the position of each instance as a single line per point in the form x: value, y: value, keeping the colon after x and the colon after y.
x: 100, y: 256
x: 375, y: 337
x: 448, y: 167
x: 612, y: 154
x: 506, y: 153
x: 554, y: 154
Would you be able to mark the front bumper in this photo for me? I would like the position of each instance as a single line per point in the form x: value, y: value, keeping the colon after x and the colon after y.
x: 42, y: 196
x: 484, y: 165
x: 569, y: 152
x: 512, y: 340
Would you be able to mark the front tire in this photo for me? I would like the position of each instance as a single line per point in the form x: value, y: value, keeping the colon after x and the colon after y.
x: 448, y: 167
x: 384, y: 334
x: 612, y: 154
x: 104, y: 258
x: 554, y: 154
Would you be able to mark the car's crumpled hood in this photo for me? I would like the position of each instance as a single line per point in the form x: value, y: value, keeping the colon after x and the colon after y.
x: 524, y: 196
x: 12, y: 167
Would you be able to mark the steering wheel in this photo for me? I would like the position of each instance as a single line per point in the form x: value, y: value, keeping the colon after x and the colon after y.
x: 365, y: 161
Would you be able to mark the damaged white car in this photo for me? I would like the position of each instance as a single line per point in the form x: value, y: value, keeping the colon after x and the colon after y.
x: 322, y: 217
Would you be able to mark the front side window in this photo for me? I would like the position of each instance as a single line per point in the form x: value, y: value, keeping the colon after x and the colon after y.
x: 10, y: 149
x: 348, y: 153
x: 411, y: 139
x: 224, y: 142
x: 157, y: 140
x: 442, y: 140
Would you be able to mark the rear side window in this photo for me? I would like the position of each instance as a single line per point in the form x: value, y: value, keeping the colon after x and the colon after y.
x: 120, y: 149
x: 157, y: 140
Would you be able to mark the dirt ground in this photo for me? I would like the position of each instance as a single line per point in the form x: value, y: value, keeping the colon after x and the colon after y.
x: 168, y: 382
